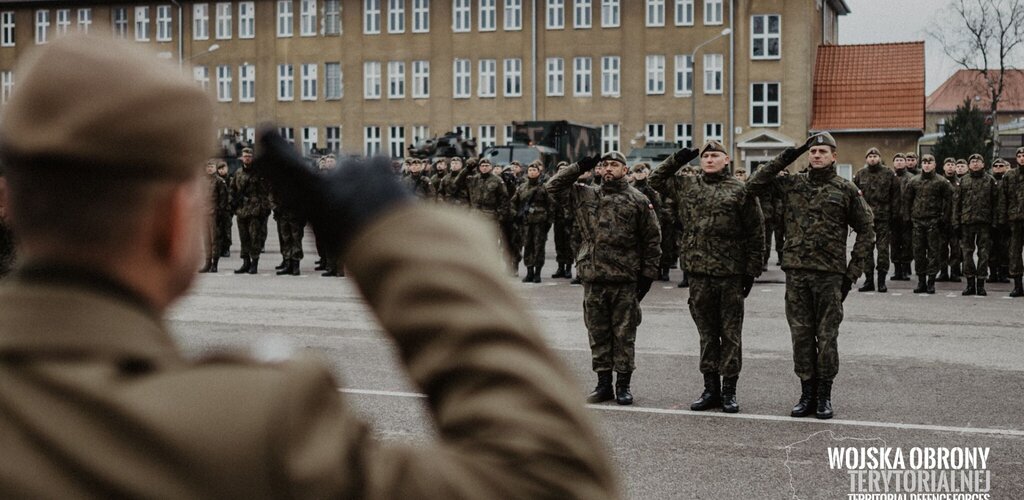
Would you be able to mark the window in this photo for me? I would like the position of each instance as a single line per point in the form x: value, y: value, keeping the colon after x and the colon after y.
x: 712, y: 11
x: 556, y: 74
x: 371, y: 80
x: 332, y: 18
x: 285, y: 82
x: 609, y: 13
x: 63, y: 21
x: 764, y: 105
x: 309, y: 139
x: 307, y: 18
x: 463, y: 130
x: 420, y: 79
x: 712, y: 132
x: 684, y: 12
x: 371, y: 18
x: 655, y: 13
x: 461, y: 18
x: 513, y: 77
x: 223, y: 26
x: 713, y: 73
x: 461, y: 82
x: 556, y: 14
x: 142, y: 24
x: 513, y: 15
x: 201, y: 74
x: 488, y: 82
x: 43, y: 23
x: 200, y: 21
x: 7, y: 29
x: 288, y: 134
x: 420, y: 16
x: 163, y: 23
x: 655, y: 75
x: 508, y: 135
x: 684, y: 135
x: 246, y: 20
x: 940, y: 126
x: 609, y: 137
x: 333, y: 138
x: 120, y: 22
x: 583, y: 12
x: 420, y: 132
x: 610, y: 76
x: 765, y: 37
x: 655, y: 132
x: 396, y: 16
x: 488, y: 136
x: 6, y: 85
x: 247, y: 83
x: 224, y: 83
x: 333, y: 84
x: 581, y: 75
x: 84, y: 20
x: 396, y: 80
x: 684, y: 75
x: 284, y: 18
x: 396, y: 141
x: 488, y: 15
x: 309, y: 79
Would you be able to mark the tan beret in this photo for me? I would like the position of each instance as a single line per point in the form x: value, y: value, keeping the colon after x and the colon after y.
x: 872, y: 151
x: 1000, y: 162
x: 961, y: 161
x: 824, y: 139
x: 713, y: 145
x: 109, y: 108
x: 246, y: 151
x: 1019, y: 150
x: 975, y: 156
x: 927, y: 158
x: 898, y: 155
x: 912, y: 155
x: 949, y: 160
x: 614, y: 156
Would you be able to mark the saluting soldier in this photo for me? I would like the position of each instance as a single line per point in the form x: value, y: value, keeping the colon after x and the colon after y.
x: 881, y: 190
x: 562, y: 221
x: 453, y: 193
x: 488, y: 195
x: 821, y: 207
x: 928, y: 201
x: 417, y: 181
x: 533, y: 207
x: 252, y: 207
x: 722, y: 244
x: 975, y: 212
x: 440, y: 171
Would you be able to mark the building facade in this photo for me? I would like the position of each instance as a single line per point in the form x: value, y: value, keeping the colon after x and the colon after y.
x: 371, y: 76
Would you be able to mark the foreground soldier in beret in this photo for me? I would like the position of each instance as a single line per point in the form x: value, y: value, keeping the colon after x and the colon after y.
x: 97, y: 400
x: 820, y: 207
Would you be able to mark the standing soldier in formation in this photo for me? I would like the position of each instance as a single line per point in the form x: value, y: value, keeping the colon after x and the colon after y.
x: 440, y: 171
x: 901, y: 229
x: 533, y: 207
x: 975, y: 212
x: 881, y: 190
x: 820, y: 209
x: 453, y: 193
x: 416, y: 181
x: 224, y: 216
x: 251, y: 194
x: 220, y: 201
x: 1013, y: 203
x: 618, y: 262
x: 928, y: 201
x: 330, y: 262
x: 291, y: 227
x: 999, y: 259
x: 585, y: 179
x: 912, y: 164
x: 723, y: 244
x: 489, y: 195
x: 562, y: 218
x: 951, y: 240
x: 511, y: 228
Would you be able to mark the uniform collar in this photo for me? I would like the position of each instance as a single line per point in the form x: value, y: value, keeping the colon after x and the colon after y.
x: 614, y: 185
x: 715, y: 177
x: 822, y: 174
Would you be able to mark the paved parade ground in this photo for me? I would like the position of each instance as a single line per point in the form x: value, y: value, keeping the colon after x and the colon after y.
x: 918, y: 374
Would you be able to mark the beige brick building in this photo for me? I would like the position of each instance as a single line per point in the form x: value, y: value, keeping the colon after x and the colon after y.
x: 371, y: 75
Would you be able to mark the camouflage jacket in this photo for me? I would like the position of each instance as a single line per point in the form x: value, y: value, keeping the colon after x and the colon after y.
x: 220, y: 195
x: 420, y: 185
x: 723, y: 233
x: 251, y: 194
x: 532, y: 203
x: 435, y: 182
x: 881, y: 190
x: 928, y: 196
x: 976, y: 200
x: 903, y: 176
x: 771, y: 205
x: 487, y: 193
x: 450, y: 192
x: 820, y: 206
x: 652, y: 194
x: 620, y: 236
x: 1012, y: 189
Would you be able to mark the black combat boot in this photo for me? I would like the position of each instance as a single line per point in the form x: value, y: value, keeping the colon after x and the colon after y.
x: 969, y: 289
x: 622, y: 394
x: 824, y: 410
x: 603, y: 392
x: 1004, y: 274
x: 294, y: 271
x: 577, y: 280
x: 559, y: 272
x: 1018, y: 289
x: 922, y: 285
x: 329, y: 270
x: 931, y: 285
x: 285, y: 269
x: 206, y: 266
x: 245, y: 266
x: 980, y: 289
x: 529, y: 275
x: 213, y: 265
x: 729, y: 404
x: 254, y: 266
x: 664, y: 274
x: 536, y: 274
x: 807, y: 403
x: 712, y: 395
x: 320, y: 265
x: 283, y: 265
x: 686, y: 281
x: 954, y: 274
x: 943, y: 275
x: 868, y: 286
x: 881, y: 282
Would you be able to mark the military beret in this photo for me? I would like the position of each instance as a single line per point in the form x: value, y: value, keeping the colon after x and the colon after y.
x: 640, y: 166
x: 1000, y: 161
x: 961, y: 161
x: 824, y: 138
x: 872, y: 151
x: 927, y: 158
x: 949, y: 160
x: 898, y: 155
x: 713, y: 145
x: 246, y: 151
x: 481, y: 161
x: 911, y: 155
x: 975, y: 156
x: 1019, y: 150
x: 614, y: 156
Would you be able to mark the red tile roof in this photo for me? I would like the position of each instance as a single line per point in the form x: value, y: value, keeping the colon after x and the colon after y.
x: 969, y: 83
x: 869, y: 87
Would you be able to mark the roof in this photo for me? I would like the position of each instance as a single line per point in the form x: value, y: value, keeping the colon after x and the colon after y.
x: 869, y: 87
x: 970, y: 83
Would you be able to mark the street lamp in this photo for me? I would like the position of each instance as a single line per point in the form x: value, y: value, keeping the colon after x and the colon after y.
x: 213, y: 48
x: 693, y: 89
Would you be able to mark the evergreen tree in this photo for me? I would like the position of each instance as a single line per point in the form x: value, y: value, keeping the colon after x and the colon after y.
x: 966, y: 133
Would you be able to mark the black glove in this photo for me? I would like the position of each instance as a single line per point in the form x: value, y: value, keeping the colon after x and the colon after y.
x: 683, y: 156
x: 643, y: 285
x: 337, y: 204
x: 845, y: 289
x: 587, y: 163
x: 748, y: 284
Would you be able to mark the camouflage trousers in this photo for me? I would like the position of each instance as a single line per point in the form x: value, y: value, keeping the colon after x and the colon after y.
x: 883, y: 234
x: 716, y: 305
x: 512, y: 235
x: 669, y: 245
x: 611, y: 313
x: 901, y: 236
x: 289, y: 233
x: 1016, y: 248
x: 928, y: 240
x: 211, y: 238
x: 563, y: 241
x: 975, y: 236
x: 814, y: 309
x: 535, y: 237
x: 952, y: 245
x: 224, y: 229
x: 1000, y: 253
x: 774, y: 228
x: 252, y: 231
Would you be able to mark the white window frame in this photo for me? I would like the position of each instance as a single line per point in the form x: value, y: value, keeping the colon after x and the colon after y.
x: 224, y: 83
x: 7, y: 29
x: 713, y: 12
x: 308, y: 79
x: 713, y: 131
x: 42, y: 25
x: 372, y: 85
x: 371, y: 140
x: 421, y: 79
x: 487, y: 81
x: 513, y: 77
x: 487, y: 17
x: 420, y: 132
x: 714, y: 74
x: 332, y: 18
x: 421, y: 16
x: 119, y: 22
x: 582, y: 76
x: 513, y: 14
x: 654, y: 132
x: 6, y: 85
x: 307, y: 18
x: 285, y: 82
x: 654, y: 13
x: 509, y: 132
x: 462, y: 79
x: 201, y: 21
x: 246, y: 20
x: 223, y: 22
x: 141, y: 23
x: 766, y: 104
x: 371, y: 17
x: 396, y: 79
x: 684, y: 135
x: 683, y: 75
x: 333, y: 138
x: 488, y: 136
x: 288, y: 134
x: 555, y: 76
x: 334, y: 87
x: 396, y: 16
x: 163, y: 23
x: 766, y: 37
x: 63, y: 22
x: 462, y: 16
x: 84, y: 19
x: 610, y: 137
x: 582, y: 14
x: 655, y: 73
x: 554, y: 18
x: 684, y: 12
x: 247, y: 83
x: 310, y: 138
x: 611, y: 14
x: 396, y: 141
x: 611, y: 79
x: 285, y: 19
x: 201, y: 74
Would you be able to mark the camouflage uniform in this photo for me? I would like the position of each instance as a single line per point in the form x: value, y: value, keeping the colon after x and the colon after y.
x: 975, y: 211
x: 928, y: 202
x: 620, y: 242
x: 881, y: 190
x: 220, y: 202
x: 291, y: 227
x: 512, y: 229
x: 252, y: 196
x: 1013, y: 215
x: 902, y: 229
x: 487, y: 193
x: 420, y: 185
x: 224, y: 218
x: 452, y: 193
x: 1000, y: 254
x: 769, y: 205
x: 562, y: 219
x: 952, y: 239
x: 533, y: 209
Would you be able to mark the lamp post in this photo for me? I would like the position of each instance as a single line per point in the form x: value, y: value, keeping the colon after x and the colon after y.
x: 693, y: 90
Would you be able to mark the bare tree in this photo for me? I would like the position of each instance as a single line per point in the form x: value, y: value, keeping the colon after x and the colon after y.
x: 984, y: 36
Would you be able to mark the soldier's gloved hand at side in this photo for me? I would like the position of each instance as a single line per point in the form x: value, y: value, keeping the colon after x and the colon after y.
x: 587, y: 163
x: 338, y: 204
x: 748, y: 285
x: 683, y: 156
x: 643, y: 285
x: 845, y: 288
